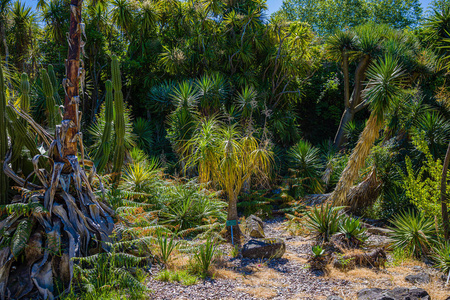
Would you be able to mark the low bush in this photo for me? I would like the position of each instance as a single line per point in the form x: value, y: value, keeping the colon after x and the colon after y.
x: 323, y: 221
x: 203, y: 258
x: 413, y: 232
x: 441, y: 256
x: 352, y: 231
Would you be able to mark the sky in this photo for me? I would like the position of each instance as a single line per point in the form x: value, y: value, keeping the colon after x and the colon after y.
x: 274, y: 5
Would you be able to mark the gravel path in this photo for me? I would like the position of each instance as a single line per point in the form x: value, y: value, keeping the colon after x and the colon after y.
x: 285, y: 278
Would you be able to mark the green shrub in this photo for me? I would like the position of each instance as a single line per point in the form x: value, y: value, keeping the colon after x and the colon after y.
x: 441, y: 256
x: 318, y: 251
x: 414, y: 232
x: 166, y: 247
x: 163, y: 275
x: 188, y: 207
x: 323, y: 221
x: 108, y: 273
x: 422, y: 186
x: 203, y: 259
x: 354, y: 233
x: 183, y: 277
x: 305, y: 168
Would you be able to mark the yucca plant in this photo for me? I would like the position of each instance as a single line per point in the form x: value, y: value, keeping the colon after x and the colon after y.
x: 441, y: 256
x: 144, y: 133
x: 246, y: 101
x: 306, y: 168
x: 414, y: 232
x: 317, y: 251
x: 213, y: 91
x: 352, y: 231
x: 204, y: 257
x: 324, y: 221
x: 234, y: 160
x: 62, y: 195
x: 140, y: 176
x: 318, y: 259
x: 160, y: 99
x: 166, y: 247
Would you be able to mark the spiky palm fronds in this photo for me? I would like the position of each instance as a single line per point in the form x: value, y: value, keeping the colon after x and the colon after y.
x: 305, y: 165
x: 323, y: 221
x: 140, y: 176
x: 441, y: 256
x: 144, y: 134
x: 213, y: 91
x: 413, y: 231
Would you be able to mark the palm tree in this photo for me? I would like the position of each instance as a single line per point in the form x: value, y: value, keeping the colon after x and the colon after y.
x: 123, y: 14
x: 23, y: 20
x: 227, y: 158
x: 4, y: 14
x: 382, y: 91
x: 362, y: 44
x: 55, y: 14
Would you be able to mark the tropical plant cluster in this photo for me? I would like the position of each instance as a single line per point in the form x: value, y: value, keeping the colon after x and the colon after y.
x: 132, y: 132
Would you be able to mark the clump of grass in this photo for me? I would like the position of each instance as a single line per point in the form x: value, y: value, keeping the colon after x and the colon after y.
x: 183, y: 277
x: 234, y: 251
x: 166, y: 247
x: 201, y: 262
x: 399, y: 256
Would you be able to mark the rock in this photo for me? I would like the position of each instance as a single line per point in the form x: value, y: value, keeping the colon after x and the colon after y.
x: 399, y: 293
x: 417, y: 268
x: 379, y: 231
x: 334, y: 298
x: 418, y: 278
x: 375, y: 294
x: 254, y: 227
x: 264, y: 248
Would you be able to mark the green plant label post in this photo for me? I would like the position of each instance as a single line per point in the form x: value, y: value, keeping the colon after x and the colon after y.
x: 232, y: 223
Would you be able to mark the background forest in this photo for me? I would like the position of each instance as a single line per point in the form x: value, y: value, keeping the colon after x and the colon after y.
x: 214, y: 101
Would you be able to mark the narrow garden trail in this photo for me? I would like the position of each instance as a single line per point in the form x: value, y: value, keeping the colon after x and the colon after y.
x: 290, y: 277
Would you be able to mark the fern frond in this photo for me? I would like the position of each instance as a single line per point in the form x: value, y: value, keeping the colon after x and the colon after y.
x: 21, y: 236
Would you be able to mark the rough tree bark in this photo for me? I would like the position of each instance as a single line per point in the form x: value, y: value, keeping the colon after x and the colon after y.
x: 72, y: 99
x: 444, y: 194
x: 233, y: 216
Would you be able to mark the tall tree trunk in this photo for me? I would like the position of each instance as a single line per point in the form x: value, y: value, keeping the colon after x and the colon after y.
x: 72, y: 100
x: 351, y: 102
x: 233, y: 216
x: 347, y: 117
x: 444, y: 194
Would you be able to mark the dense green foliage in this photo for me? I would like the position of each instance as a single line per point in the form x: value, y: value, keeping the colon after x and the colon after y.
x: 192, y: 108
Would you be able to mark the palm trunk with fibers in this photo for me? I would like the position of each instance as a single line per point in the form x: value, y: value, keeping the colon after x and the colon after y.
x: 60, y: 217
x: 356, y: 161
x: 4, y: 180
x: 444, y: 194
